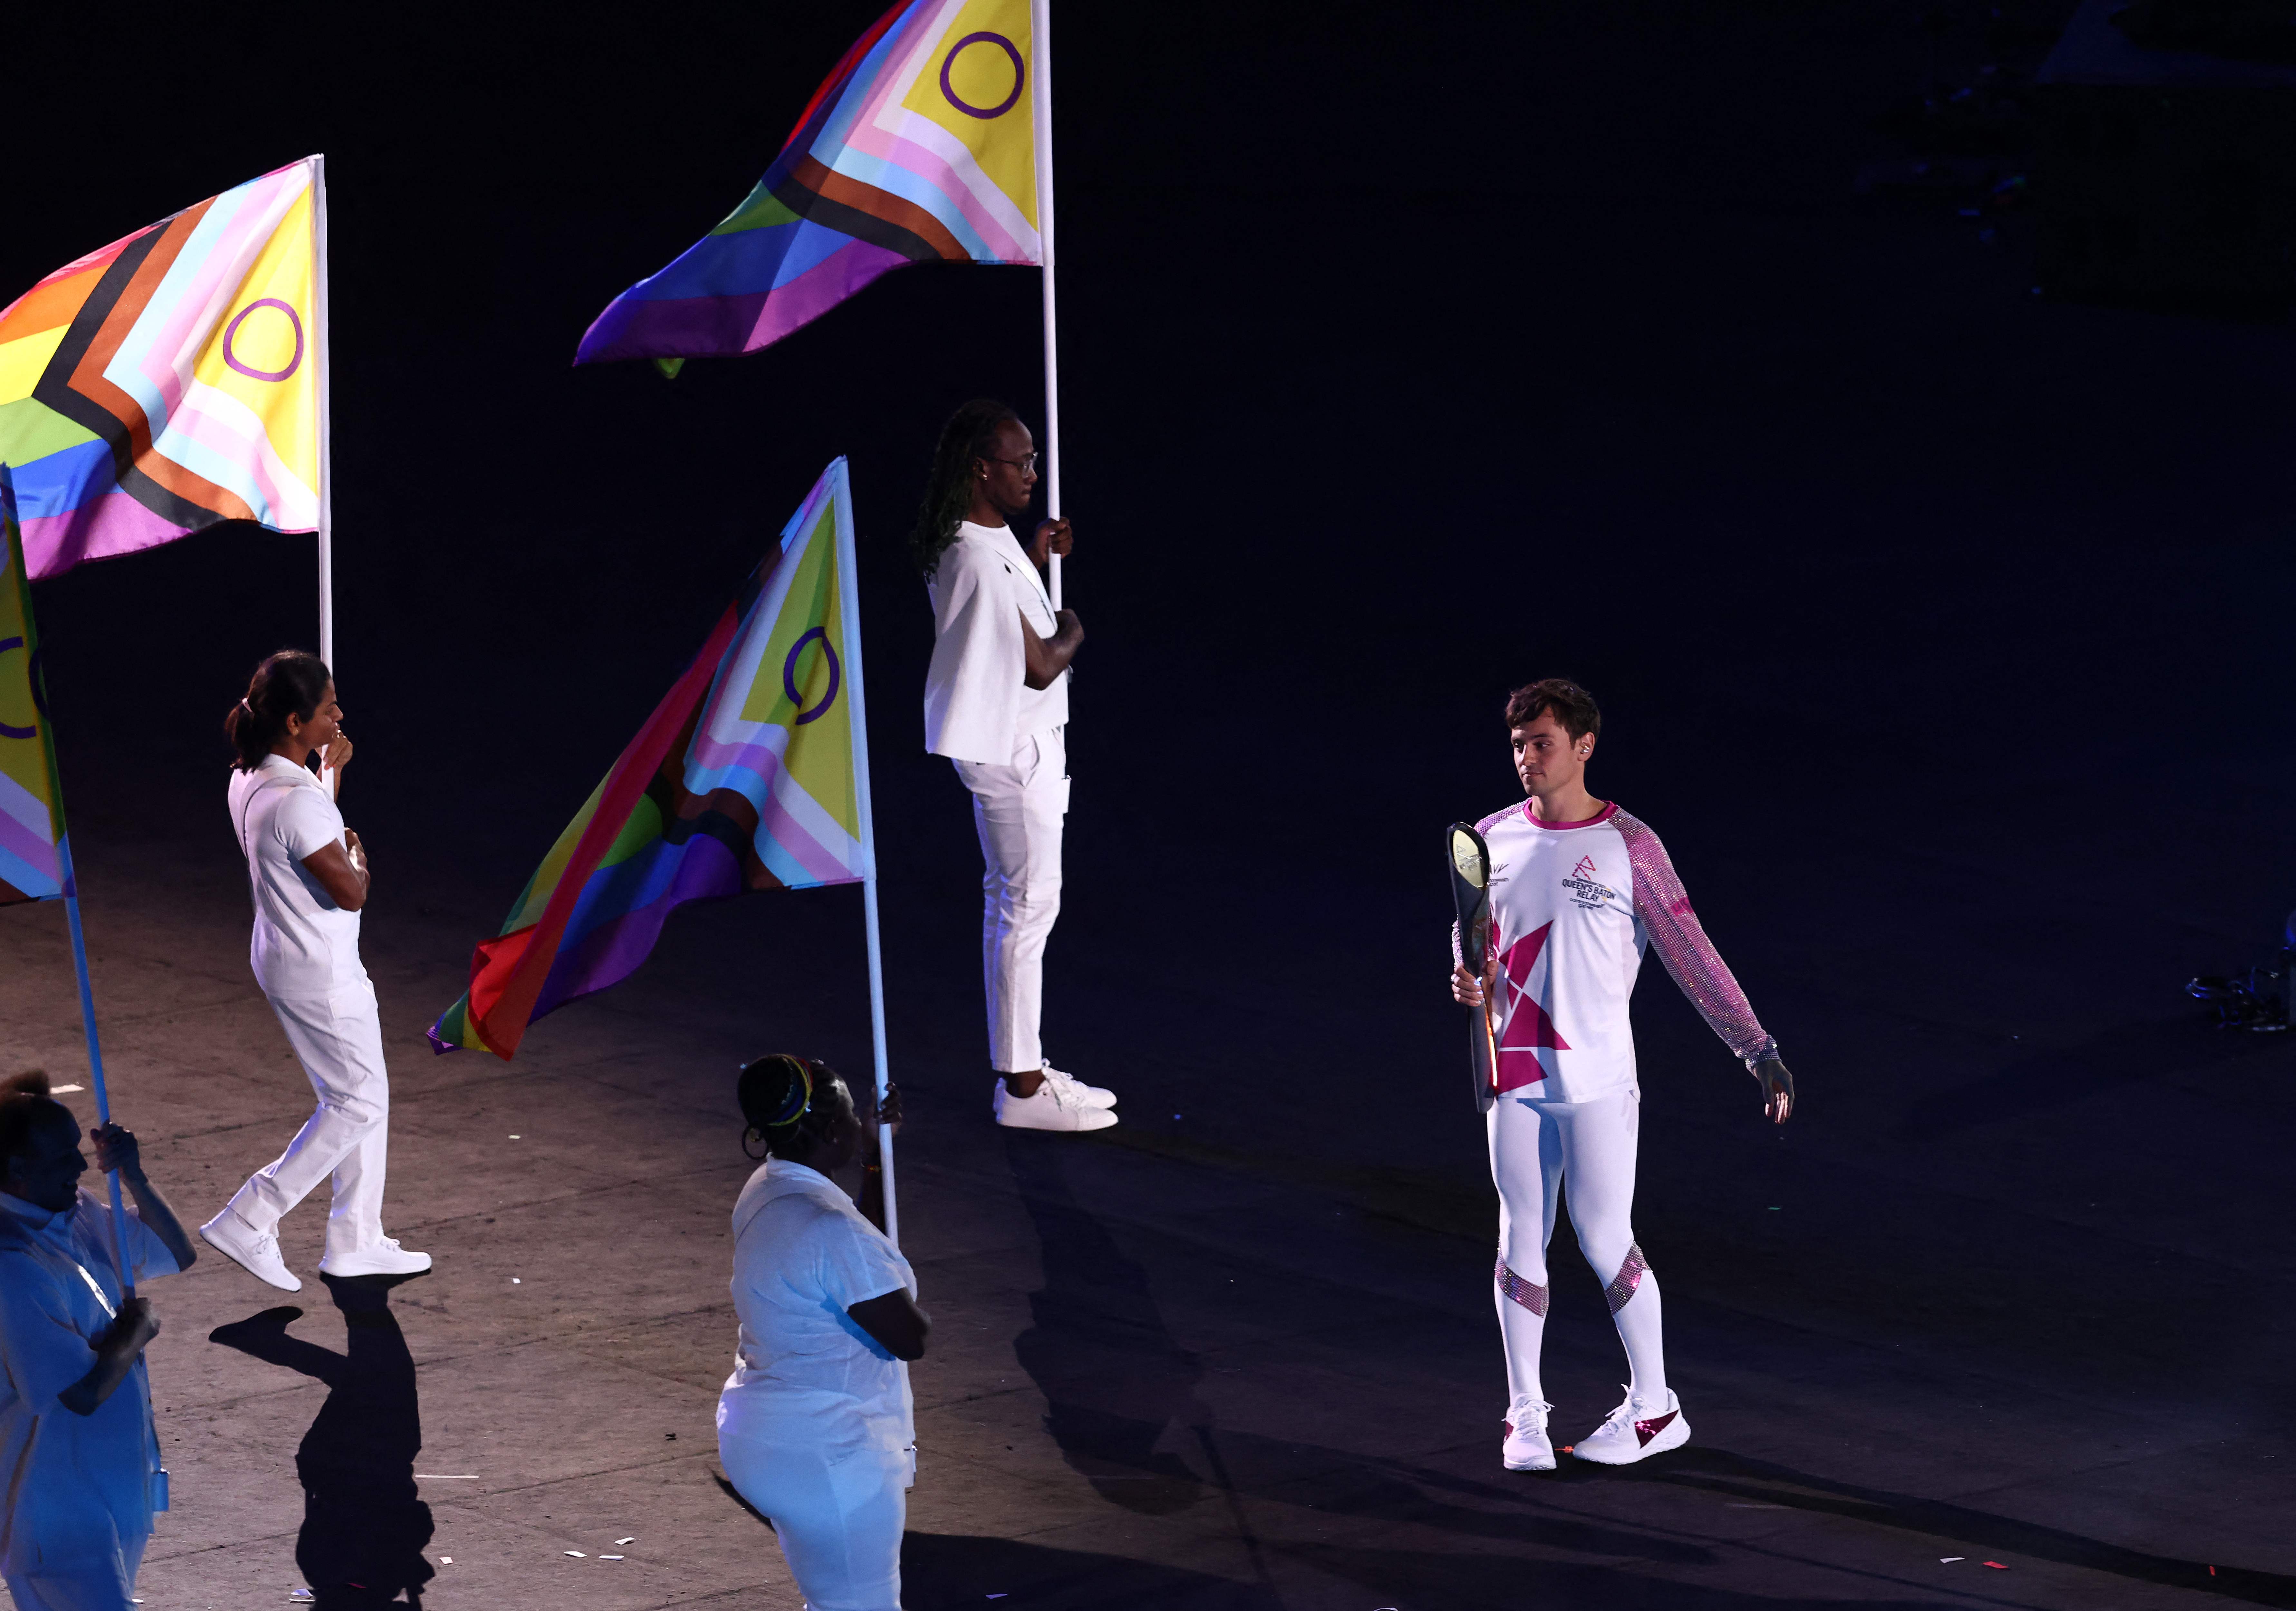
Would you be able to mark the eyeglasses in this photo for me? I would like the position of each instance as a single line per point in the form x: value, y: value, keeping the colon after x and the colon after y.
x: 1028, y: 463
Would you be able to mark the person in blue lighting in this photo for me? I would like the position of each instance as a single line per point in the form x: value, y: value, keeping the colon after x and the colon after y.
x: 78, y: 1451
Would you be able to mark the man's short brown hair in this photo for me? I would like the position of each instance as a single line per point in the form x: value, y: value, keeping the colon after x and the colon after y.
x: 1571, y: 704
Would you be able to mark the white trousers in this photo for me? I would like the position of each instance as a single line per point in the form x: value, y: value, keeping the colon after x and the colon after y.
x: 1541, y: 1150
x: 338, y: 1041
x: 839, y: 1519
x: 1019, y: 810
x: 94, y: 1585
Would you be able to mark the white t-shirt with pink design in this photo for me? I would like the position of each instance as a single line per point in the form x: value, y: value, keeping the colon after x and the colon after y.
x: 1572, y: 905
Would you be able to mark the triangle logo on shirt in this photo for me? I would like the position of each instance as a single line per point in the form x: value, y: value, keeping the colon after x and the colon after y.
x: 1584, y: 869
x: 1528, y: 1026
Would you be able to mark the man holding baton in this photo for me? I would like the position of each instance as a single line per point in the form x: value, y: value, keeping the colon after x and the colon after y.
x: 1578, y: 890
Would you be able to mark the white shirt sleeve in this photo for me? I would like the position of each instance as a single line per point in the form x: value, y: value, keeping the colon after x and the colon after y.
x: 973, y: 688
x: 852, y: 1262
x: 305, y: 822
x: 147, y: 1254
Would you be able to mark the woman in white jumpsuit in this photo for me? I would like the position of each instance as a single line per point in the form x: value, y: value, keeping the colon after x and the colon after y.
x: 813, y: 1426
x: 309, y: 876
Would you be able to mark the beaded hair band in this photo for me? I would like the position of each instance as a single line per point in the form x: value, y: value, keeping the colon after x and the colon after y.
x: 802, y: 1098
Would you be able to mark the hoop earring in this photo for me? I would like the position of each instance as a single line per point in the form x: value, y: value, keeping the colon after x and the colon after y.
x: 756, y: 1157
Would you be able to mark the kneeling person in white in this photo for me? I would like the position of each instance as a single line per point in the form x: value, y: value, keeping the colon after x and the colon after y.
x: 309, y: 876
x: 813, y: 1426
x: 997, y: 704
x: 1578, y: 888
x: 78, y: 1451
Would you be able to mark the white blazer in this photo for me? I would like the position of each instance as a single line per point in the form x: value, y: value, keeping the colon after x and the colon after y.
x: 978, y: 703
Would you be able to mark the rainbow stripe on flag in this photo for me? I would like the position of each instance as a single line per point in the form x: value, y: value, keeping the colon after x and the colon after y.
x: 171, y: 380
x: 31, y: 805
x: 751, y: 774
x: 919, y: 148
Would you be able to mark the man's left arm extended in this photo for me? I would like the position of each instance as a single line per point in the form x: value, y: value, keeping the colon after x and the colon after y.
x: 1663, y: 909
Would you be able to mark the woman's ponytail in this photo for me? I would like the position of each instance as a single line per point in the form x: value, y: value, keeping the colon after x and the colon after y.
x: 289, y: 683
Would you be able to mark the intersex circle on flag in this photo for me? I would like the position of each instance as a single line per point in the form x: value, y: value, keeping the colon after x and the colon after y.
x: 31, y: 676
x: 948, y: 90
x: 789, y: 676
x: 232, y: 329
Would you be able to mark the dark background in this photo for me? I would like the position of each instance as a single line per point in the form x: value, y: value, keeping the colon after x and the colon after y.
x: 1408, y: 354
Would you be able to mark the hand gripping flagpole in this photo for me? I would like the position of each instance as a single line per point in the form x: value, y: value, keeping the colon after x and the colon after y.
x: 1040, y: 110
x: 849, y: 605
x: 21, y: 571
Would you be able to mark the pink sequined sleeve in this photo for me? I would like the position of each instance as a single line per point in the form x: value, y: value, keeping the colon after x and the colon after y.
x: 1663, y: 909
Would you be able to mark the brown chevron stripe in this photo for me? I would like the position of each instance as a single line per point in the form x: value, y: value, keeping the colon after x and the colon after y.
x: 87, y: 379
x: 728, y: 815
x: 868, y: 202
x: 55, y: 387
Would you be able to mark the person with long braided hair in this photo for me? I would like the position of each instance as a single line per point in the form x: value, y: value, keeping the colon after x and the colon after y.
x: 814, y: 1426
x: 309, y: 876
x: 996, y: 704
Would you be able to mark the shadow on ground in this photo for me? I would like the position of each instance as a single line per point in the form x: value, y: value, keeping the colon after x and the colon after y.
x: 1124, y: 1408
x: 1119, y: 1388
x: 364, y: 1526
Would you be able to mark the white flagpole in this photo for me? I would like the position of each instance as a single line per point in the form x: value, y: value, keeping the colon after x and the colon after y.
x: 326, y: 431
x: 849, y: 605
x: 1040, y: 109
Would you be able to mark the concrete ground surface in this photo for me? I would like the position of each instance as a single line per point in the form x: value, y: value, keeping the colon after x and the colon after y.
x: 1162, y: 1373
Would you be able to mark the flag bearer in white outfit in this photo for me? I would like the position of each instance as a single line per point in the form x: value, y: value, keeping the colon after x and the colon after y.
x: 1577, y: 888
x: 78, y: 1451
x: 997, y: 704
x: 307, y: 874
x: 815, y: 1425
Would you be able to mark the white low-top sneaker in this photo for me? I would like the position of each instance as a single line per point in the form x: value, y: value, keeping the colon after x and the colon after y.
x: 1635, y: 1431
x: 1056, y: 1105
x: 385, y: 1258
x: 257, y: 1252
x: 1091, y: 1096
x: 1527, y: 1448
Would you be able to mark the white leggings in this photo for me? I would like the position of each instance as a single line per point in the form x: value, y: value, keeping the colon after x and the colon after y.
x: 838, y: 1519
x: 1539, y: 1149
